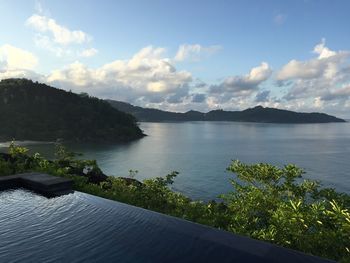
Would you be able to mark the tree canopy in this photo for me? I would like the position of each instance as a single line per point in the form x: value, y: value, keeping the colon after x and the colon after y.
x: 34, y: 111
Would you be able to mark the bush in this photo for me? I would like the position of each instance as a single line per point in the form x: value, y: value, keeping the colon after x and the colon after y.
x: 275, y: 205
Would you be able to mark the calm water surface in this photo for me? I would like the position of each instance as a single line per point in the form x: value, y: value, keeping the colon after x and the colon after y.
x: 84, y: 228
x: 201, y: 151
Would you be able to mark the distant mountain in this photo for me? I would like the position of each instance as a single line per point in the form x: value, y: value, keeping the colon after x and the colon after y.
x: 257, y: 114
x: 34, y: 111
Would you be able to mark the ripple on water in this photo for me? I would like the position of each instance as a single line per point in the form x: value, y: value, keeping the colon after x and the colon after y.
x: 82, y: 228
x: 79, y: 227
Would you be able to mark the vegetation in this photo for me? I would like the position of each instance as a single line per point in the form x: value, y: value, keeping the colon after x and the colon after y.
x: 267, y: 203
x: 257, y: 114
x: 34, y: 111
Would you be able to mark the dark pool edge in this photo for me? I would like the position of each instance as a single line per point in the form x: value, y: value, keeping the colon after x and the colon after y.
x: 44, y: 184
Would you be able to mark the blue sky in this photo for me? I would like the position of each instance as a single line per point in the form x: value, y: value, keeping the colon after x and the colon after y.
x: 181, y: 55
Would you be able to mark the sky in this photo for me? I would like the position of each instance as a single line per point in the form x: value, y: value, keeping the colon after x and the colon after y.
x: 183, y: 55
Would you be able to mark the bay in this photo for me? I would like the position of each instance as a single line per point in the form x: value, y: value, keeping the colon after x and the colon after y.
x: 201, y: 151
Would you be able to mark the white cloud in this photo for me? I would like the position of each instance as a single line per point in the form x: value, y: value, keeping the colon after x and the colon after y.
x: 76, y: 73
x: 195, y: 52
x: 323, y: 51
x: 320, y: 83
x: 325, y: 65
x: 90, y: 52
x: 46, y: 43
x: 259, y: 74
x: 57, y: 38
x: 302, y: 69
x: 148, y: 76
x: 243, y: 85
x: 60, y: 34
x: 21, y: 73
x: 318, y: 103
x: 17, y: 63
x: 156, y: 86
x: 13, y: 58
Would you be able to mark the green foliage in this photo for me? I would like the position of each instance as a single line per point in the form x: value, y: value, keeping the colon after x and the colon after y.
x: 17, y: 150
x: 5, y: 168
x: 275, y: 205
x: 268, y: 203
x: 34, y: 111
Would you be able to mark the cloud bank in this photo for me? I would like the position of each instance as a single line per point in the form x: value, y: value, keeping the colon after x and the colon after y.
x: 151, y: 78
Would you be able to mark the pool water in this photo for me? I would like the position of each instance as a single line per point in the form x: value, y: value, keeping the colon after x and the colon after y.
x: 82, y: 228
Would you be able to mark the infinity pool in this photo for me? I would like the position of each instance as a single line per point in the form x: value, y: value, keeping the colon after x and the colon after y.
x: 84, y: 228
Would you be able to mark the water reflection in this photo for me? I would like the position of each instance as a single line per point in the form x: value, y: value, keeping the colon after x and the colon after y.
x: 201, y: 151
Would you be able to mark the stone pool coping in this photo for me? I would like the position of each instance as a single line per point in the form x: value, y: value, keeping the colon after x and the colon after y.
x: 44, y: 184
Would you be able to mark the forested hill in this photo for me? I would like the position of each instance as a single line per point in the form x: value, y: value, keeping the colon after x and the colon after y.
x: 34, y: 111
x: 257, y: 114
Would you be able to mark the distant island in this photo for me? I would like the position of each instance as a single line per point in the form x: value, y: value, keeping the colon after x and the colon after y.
x: 34, y: 111
x: 257, y: 114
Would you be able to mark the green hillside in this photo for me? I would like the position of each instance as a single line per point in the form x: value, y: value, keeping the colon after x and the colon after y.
x: 34, y: 111
x: 256, y: 114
